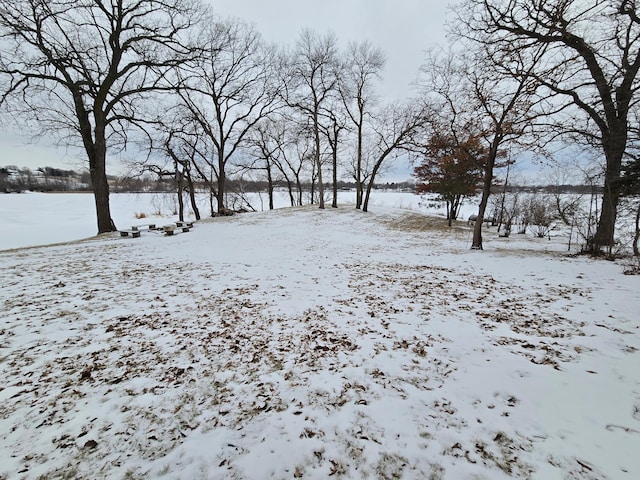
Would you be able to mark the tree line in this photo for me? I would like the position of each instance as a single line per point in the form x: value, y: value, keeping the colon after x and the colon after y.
x: 208, y: 101
x: 14, y: 179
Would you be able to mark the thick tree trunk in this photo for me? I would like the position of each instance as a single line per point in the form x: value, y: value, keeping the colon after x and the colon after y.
x: 605, y: 232
x: 99, y: 183
x: 95, y: 146
x: 222, y: 181
x: 476, y: 244
x: 100, y: 188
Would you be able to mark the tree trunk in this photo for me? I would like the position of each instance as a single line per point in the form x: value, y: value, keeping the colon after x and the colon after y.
x: 476, y: 244
x: 614, y: 147
x: 270, y: 185
x: 312, y: 193
x: 334, y: 204
x: 359, y: 189
x: 222, y: 180
x: 299, y: 187
x: 180, y: 191
x: 374, y: 172
x: 365, y: 203
x: 100, y: 188
x: 605, y: 232
x: 318, y: 161
x: 636, y: 237
x: 97, y: 169
x: 96, y: 149
x: 192, y: 197
x: 290, y: 189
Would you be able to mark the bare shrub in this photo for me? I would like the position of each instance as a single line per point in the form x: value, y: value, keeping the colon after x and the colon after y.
x: 632, y: 266
x: 540, y: 214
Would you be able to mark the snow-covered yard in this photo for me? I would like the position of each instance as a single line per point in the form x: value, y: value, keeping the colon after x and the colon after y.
x: 311, y: 344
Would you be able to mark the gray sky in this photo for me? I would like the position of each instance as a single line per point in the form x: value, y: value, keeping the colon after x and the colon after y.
x: 403, y: 29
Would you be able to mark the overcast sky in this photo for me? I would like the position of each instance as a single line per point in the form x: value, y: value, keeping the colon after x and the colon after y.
x: 403, y: 29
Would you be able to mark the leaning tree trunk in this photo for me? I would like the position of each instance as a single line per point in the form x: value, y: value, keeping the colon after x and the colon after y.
x: 192, y: 195
x: 476, y: 244
x: 374, y: 172
x: 290, y: 190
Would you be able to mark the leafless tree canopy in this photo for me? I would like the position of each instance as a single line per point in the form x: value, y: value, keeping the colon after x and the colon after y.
x: 215, y: 103
x: 589, y: 70
x: 85, y: 68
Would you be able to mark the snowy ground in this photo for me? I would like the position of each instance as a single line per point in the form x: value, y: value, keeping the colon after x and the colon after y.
x: 30, y: 219
x: 311, y: 344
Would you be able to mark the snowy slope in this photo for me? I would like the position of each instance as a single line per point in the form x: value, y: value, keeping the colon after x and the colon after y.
x: 310, y: 344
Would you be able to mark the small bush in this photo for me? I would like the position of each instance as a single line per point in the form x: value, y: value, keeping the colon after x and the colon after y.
x: 141, y: 215
x: 632, y: 267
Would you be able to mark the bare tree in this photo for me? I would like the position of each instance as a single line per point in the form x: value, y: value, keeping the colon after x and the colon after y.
x: 506, y: 110
x: 566, y: 206
x: 472, y: 94
x: 228, y: 91
x: 312, y: 83
x: 394, y: 133
x: 183, y: 153
x: 267, y: 141
x: 590, y: 68
x: 332, y: 131
x: 84, y: 69
x: 363, y: 64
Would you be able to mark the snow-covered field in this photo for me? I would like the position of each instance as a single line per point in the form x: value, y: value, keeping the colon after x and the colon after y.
x: 62, y: 217
x: 313, y: 344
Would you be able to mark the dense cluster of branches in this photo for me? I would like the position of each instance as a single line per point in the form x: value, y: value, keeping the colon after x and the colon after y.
x: 562, y: 70
x: 206, y: 97
x: 209, y: 100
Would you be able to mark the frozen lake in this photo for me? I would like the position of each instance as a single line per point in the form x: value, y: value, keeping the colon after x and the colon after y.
x: 44, y: 218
